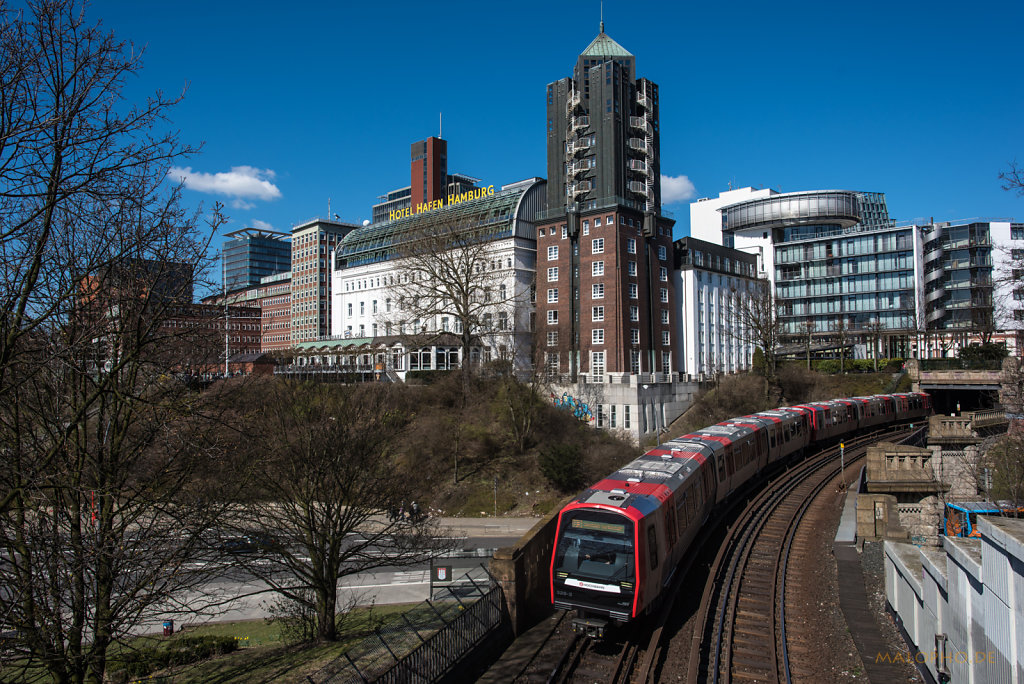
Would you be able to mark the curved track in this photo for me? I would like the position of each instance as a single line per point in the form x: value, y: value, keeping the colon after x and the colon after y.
x: 740, y: 631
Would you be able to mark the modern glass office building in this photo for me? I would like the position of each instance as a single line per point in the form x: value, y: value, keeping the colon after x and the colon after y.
x: 837, y: 260
x: 958, y: 282
x: 251, y: 254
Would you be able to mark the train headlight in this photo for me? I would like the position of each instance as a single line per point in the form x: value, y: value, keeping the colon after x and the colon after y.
x: 561, y: 574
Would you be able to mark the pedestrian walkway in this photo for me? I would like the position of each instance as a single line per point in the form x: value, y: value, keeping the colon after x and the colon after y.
x: 853, y: 598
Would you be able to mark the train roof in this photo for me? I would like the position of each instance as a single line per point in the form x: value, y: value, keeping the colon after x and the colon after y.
x: 641, y: 485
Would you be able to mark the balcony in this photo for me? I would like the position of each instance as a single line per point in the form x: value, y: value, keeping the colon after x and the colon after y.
x: 573, y: 189
x: 639, y: 188
x: 640, y: 123
x: 577, y: 167
x: 640, y: 166
x: 638, y: 144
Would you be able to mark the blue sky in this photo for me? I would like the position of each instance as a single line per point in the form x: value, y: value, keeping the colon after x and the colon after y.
x: 297, y: 103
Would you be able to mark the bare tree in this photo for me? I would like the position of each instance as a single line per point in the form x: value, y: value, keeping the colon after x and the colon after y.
x: 873, y: 330
x: 451, y: 281
x: 807, y: 328
x: 1013, y: 179
x: 98, y: 439
x: 328, y: 479
x: 843, y: 338
x: 756, y: 315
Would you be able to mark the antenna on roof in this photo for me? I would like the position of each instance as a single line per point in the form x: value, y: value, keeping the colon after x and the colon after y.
x: 602, y: 16
x: 440, y: 126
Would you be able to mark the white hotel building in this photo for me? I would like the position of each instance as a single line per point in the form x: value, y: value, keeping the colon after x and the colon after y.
x: 365, y: 287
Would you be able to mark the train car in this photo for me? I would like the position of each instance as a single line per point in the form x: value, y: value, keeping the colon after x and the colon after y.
x: 739, y: 460
x: 619, y: 542
x: 789, y: 434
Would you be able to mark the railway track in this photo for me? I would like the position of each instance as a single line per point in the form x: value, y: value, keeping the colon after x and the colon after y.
x: 741, y: 629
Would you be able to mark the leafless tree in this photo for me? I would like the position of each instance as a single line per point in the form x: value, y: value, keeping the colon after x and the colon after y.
x: 1013, y: 179
x: 450, y: 280
x: 756, y: 315
x: 98, y: 438
x: 842, y: 337
x: 807, y: 328
x: 328, y: 482
x: 873, y: 330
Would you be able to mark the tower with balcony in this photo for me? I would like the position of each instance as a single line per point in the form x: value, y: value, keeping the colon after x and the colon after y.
x: 605, y: 302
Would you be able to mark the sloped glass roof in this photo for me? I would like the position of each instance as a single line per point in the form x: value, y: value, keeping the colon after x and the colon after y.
x: 378, y: 242
x: 605, y: 46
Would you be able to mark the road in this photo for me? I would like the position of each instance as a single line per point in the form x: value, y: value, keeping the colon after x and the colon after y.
x: 247, y: 598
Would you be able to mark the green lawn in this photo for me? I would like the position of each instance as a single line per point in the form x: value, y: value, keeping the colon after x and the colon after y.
x: 264, y: 657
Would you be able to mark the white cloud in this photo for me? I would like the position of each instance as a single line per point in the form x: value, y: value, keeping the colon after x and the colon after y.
x: 676, y: 189
x: 241, y: 181
x: 261, y: 225
x: 242, y: 204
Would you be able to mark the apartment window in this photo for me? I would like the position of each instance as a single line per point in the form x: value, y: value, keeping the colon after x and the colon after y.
x: 634, y: 291
x: 597, y: 365
x: 666, y: 362
x: 502, y: 320
x: 611, y: 422
x: 597, y: 336
x: 374, y: 306
x: 387, y: 305
x: 586, y: 227
x: 597, y: 313
x: 552, y: 363
x: 631, y: 245
x: 444, y: 323
x: 597, y: 246
x: 625, y: 414
x: 664, y: 295
x: 665, y: 341
x: 634, y: 313
x: 350, y: 309
x: 553, y: 253
x: 662, y: 254
x: 540, y: 232
x: 362, y: 330
x: 631, y: 269
x: 552, y: 317
x: 663, y: 274
x: 600, y: 415
x: 597, y: 223
x: 634, y: 363
x: 564, y: 232
x: 634, y: 336
x: 553, y: 295
x: 597, y: 269
x: 664, y: 316
x: 553, y: 274
x: 597, y: 292
x: 362, y: 308
x: 552, y: 338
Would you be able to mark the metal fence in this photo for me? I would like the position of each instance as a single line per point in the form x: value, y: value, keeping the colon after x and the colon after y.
x: 428, y: 641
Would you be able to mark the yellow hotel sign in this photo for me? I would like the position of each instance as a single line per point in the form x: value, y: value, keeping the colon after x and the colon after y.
x: 438, y: 204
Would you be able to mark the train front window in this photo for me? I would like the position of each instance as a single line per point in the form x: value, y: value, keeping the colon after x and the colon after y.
x: 596, y: 545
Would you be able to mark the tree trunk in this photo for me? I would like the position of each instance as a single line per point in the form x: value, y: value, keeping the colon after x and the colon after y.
x: 326, y: 605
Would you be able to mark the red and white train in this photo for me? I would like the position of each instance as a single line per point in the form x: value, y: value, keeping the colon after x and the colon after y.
x: 619, y: 542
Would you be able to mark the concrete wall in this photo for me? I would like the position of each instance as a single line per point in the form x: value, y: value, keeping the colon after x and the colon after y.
x: 523, y: 572
x: 879, y: 518
x: 963, y: 606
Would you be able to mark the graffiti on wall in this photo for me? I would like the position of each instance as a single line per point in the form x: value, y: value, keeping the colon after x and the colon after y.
x: 580, y: 409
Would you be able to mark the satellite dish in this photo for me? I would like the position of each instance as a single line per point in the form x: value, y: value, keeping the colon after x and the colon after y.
x: 366, y: 222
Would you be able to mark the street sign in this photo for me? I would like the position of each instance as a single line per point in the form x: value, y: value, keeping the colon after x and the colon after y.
x: 442, y: 573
